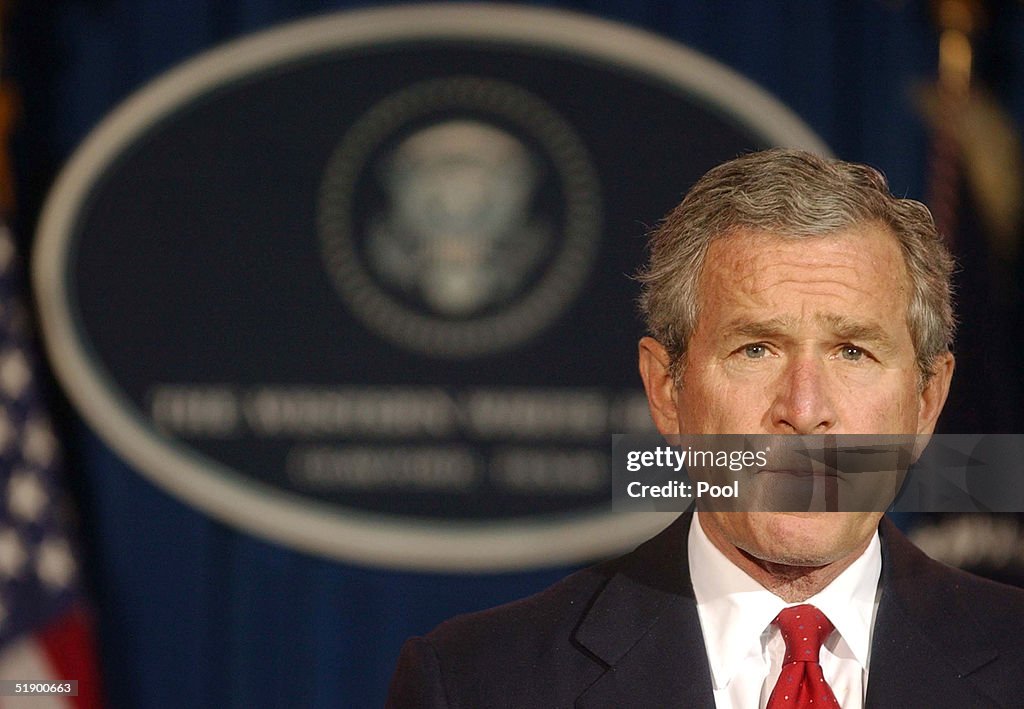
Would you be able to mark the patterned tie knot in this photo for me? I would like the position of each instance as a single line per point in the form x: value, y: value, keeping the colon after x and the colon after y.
x: 804, y: 628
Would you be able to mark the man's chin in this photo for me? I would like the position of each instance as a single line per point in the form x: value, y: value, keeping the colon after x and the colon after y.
x: 805, y: 539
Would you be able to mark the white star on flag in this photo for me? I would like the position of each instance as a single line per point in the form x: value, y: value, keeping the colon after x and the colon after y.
x: 55, y: 565
x: 39, y: 445
x: 26, y: 497
x: 14, y: 373
x: 12, y: 554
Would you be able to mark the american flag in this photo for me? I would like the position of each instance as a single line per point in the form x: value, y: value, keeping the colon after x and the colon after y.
x: 44, y: 627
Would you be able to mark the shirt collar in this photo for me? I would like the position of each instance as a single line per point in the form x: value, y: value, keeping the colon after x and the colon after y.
x: 735, y: 610
x: 850, y: 601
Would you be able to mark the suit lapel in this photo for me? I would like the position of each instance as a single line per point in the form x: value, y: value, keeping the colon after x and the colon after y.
x: 923, y: 651
x: 644, y: 628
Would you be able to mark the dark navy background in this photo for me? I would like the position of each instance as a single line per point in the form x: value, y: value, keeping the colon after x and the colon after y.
x: 193, y: 613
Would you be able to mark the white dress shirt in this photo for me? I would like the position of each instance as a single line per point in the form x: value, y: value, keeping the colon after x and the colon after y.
x: 745, y: 650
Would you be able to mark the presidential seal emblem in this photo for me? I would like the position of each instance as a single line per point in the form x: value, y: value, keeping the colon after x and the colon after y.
x: 460, y: 216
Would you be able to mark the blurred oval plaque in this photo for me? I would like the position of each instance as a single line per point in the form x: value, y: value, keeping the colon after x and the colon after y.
x: 360, y: 284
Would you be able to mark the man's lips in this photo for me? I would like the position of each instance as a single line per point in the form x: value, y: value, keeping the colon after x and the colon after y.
x: 803, y: 473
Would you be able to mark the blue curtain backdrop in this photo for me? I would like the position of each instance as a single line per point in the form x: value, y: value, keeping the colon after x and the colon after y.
x: 193, y: 613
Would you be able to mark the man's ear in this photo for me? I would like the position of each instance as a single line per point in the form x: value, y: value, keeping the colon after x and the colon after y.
x: 933, y: 396
x: 659, y: 384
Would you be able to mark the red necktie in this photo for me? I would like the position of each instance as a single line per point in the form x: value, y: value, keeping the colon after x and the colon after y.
x: 802, y: 684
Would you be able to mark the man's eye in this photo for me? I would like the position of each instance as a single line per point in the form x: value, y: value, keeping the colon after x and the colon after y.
x: 852, y: 353
x: 755, y: 351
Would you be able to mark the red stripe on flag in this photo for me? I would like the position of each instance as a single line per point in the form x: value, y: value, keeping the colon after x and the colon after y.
x: 68, y: 644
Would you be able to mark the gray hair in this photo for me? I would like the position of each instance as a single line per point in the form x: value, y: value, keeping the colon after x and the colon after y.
x: 792, y: 193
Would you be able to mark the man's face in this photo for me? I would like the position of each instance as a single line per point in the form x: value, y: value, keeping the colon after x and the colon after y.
x: 805, y: 336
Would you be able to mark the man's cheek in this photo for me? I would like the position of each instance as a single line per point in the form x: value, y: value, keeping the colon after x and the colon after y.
x: 719, y: 407
x: 880, y: 409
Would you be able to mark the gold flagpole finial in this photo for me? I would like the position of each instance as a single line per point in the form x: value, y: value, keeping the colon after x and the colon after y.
x: 957, y: 20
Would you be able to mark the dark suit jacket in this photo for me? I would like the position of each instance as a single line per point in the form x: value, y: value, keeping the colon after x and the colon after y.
x: 626, y: 634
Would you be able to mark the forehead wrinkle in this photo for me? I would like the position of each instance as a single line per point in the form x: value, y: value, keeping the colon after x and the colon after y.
x: 839, y: 325
x: 755, y: 278
x: 809, y: 285
x: 760, y: 328
x: 851, y: 327
x: 750, y: 275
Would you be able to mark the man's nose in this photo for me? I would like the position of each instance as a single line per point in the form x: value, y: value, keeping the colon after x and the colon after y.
x: 803, y: 399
